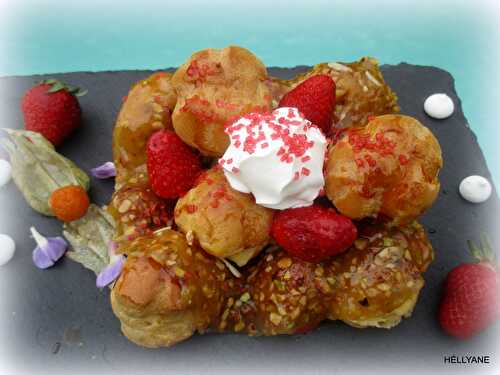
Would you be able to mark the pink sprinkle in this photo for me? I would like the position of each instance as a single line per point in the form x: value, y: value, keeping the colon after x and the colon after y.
x: 264, y: 145
x: 221, y: 162
x: 305, y: 159
x: 237, y: 144
x: 305, y: 171
x: 296, y: 176
x: 235, y: 170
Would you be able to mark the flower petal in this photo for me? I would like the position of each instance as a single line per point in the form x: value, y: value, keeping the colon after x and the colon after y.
x: 56, y: 247
x: 41, y: 258
x: 110, y: 273
x: 105, y: 170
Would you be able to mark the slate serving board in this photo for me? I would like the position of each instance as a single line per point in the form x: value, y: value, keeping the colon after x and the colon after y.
x: 57, y: 321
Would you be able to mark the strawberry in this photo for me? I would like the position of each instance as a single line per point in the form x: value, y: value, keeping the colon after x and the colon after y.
x: 315, y: 98
x: 471, y: 295
x: 172, y: 165
x: 313, y: 233
x: 52, y: 109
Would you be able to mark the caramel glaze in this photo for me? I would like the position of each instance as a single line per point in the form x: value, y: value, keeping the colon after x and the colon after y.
x: 361, y: 91
x: 146, y: 109
x: 170, y: 289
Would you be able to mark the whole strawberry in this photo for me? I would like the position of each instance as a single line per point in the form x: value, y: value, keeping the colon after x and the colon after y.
x: 51, y: 108
x: 313, y: 233
x: 315, y: 98
x: 471, y: 295
x: 172, y: 165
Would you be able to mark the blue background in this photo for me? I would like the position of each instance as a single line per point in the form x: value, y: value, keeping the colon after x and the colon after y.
x: 459, y: 36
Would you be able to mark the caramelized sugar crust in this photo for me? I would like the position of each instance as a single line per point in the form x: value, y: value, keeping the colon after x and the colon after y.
x: 169, y: 289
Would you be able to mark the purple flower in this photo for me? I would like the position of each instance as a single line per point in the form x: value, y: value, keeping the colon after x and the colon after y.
x: 48, y: 250
x: 111, y: 272
x: 105, y: 170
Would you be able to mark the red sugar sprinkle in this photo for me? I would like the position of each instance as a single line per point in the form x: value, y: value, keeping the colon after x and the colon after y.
x: 219, y: 193
x: 359, y: 162
x: 235, y: 170
x: 371, y: 162
x: 200, y: 108
x: 296, y: 176
x: 403, y: 159
x: 222, y: 162
x: 294, y: 145
x: 229, y: 161
x: 305, y: 159
x: 191, y: 208
x: 305, y: 171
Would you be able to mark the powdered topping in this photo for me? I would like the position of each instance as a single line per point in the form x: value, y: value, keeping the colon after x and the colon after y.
x: 276, y: 156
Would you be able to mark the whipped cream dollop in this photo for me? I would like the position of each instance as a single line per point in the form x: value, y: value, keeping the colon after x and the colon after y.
x: 278, y: 157
x: 439, y: 106
x: 7, y: 249
x: 5, y: 172
x: 475, y: 189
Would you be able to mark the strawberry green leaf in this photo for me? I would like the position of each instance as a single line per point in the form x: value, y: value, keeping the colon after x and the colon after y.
x: 474, y: 250
x: 483, y: 252
x: 58, y: 86
x: 80, y: 92
x: 488, y: 252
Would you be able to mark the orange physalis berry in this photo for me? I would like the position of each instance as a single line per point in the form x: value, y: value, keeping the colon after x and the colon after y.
x: 69, y: 203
